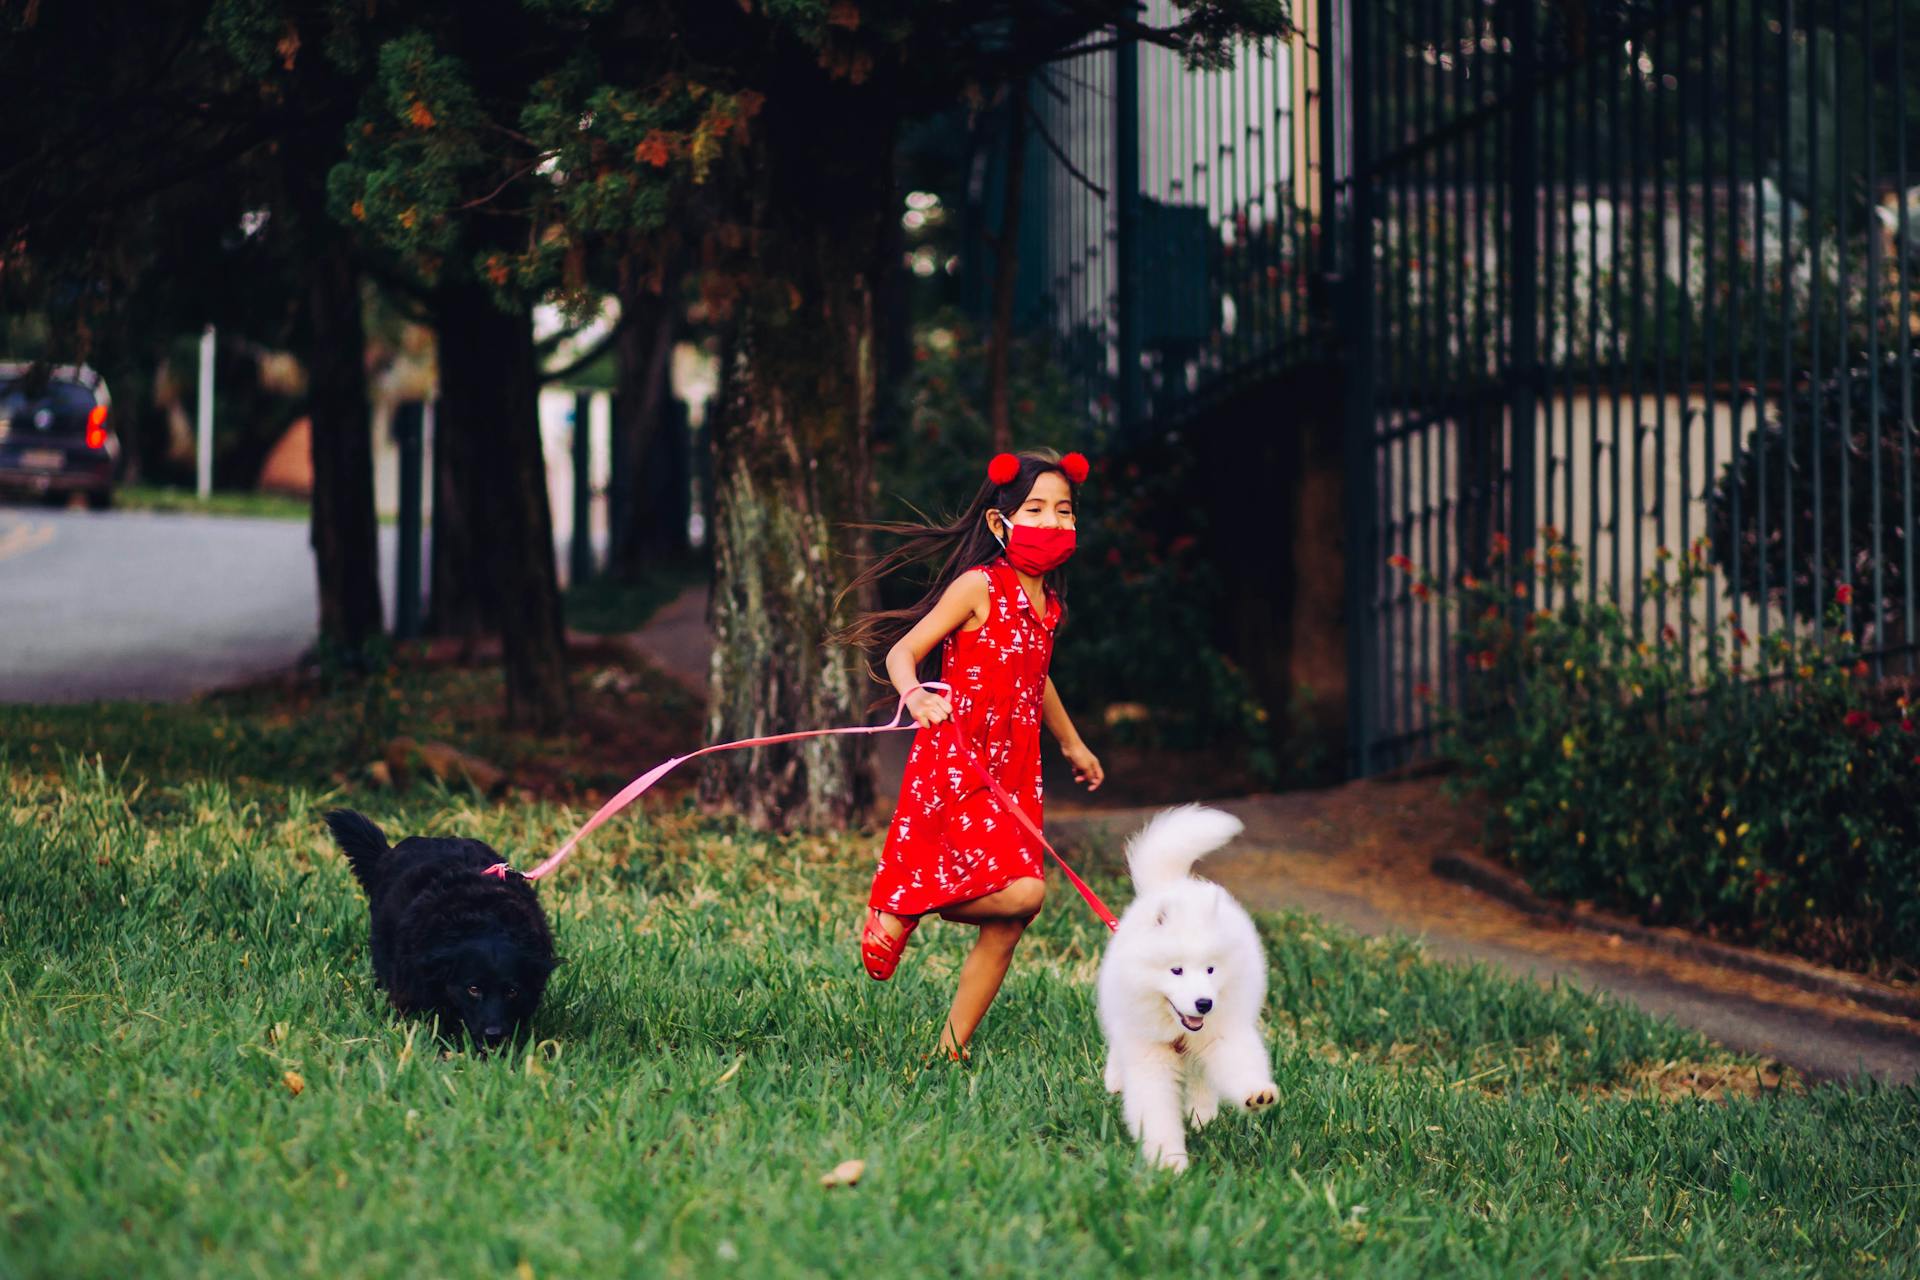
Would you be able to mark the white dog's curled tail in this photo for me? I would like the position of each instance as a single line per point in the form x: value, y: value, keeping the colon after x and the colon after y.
x: 1167, y: 847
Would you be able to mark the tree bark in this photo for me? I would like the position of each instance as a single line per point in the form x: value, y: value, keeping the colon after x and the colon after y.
x: 790, y: 459
x: 487, y: 437
x: 344, y: 530
x: 643, y: 351
x: 1006, y: 270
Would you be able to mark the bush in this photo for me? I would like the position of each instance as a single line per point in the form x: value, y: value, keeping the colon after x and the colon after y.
x: 1769, y: 490
x: 1763, y: 792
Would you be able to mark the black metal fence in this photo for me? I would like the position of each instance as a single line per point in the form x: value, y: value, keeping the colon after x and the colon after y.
x: 1171, y: 223
x: 1641, y: 272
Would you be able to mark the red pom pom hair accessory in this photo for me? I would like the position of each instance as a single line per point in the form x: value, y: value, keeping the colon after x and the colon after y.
x: 1076, y: 467
x: 1003, y: 468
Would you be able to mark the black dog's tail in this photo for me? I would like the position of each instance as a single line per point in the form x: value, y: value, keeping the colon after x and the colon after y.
x: 364, y: 844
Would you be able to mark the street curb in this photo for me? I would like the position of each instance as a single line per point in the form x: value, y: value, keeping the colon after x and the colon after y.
x: 1496, y: 881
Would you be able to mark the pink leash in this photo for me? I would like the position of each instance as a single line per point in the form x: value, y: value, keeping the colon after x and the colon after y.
x: 640, y: 785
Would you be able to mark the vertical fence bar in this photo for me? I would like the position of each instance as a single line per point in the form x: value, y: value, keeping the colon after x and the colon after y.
x: 1842, y: 363
x: 1875, y: 277
x: 1523, y: 254
x: 1126, y: 197
x: 1638, y: 427
x: 1736, y: 397
x: 1616, y: 485
x: 1683, y: 181
x: 1784, y: 395
x: 1755, y: 304
x: 1346, y: 90
x: 1817, y: 600
x: 1657, y: 85
x: 1903, y: 245
x: 1569, y: 319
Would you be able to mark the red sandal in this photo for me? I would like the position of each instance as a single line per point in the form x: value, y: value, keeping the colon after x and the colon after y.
x: 880, y: 951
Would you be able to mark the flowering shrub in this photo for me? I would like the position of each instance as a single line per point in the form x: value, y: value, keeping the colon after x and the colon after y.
x: 1764, y: 790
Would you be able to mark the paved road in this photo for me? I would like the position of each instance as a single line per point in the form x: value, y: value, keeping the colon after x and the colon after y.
x: 150, y: 605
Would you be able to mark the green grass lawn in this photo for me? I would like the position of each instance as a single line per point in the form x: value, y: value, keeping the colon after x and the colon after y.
x: 198, y: 1077
x: 153, y: 497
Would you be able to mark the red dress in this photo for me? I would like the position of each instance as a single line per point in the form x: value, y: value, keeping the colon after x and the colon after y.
x: 950, y: 842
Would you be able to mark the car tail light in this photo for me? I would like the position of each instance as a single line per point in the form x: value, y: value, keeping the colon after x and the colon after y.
x: 97, y: 427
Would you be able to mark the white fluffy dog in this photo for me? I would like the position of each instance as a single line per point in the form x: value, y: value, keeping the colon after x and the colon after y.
x: 1181, y: 989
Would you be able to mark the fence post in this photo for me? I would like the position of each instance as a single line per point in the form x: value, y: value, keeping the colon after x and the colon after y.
x: 1346, y: 228
x: 1126, y: 144
x: 1523, y: 214
x: 408, y: 429
x: 580, y: 561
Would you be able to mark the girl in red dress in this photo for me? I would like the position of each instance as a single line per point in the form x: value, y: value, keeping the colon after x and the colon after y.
x: 951, y: 850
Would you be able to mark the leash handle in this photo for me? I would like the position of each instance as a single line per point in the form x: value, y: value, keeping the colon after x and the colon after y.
x: 642, y: 784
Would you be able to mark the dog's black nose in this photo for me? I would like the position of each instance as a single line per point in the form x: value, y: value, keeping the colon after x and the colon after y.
x: 495, y: 1035
x: 1203, y: 1004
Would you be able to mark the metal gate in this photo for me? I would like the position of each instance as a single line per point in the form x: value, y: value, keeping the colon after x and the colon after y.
x: 1635, y: 273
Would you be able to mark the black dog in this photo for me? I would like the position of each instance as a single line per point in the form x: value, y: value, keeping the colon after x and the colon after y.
x: 472, y: 949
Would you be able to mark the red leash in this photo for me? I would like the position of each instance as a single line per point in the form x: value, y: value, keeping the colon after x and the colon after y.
x: 640, y: 785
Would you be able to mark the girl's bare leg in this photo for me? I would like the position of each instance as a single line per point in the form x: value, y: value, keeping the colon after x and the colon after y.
x: 1002, y: 918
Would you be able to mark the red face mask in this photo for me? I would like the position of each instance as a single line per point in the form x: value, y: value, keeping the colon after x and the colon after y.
x: 1037, y: 551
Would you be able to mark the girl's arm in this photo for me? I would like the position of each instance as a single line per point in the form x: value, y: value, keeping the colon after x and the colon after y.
x: 963, y: 602
x: 1086, y: 765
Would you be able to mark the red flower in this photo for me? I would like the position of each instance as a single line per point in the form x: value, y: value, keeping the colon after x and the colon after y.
x: 1861, y: 670
x: 1668, y: 634
x: 1740, y: 637
x: 1400, y: 562
x: 1843, y: 594
x: 1421, y: 591
x: 1423, y: 691
x: 1184, y: 543
x: 1865, y: 723
x: 1520, y: 590
x: 1906, y: 726
x: 1500, y: 546
x: 1470, y: 582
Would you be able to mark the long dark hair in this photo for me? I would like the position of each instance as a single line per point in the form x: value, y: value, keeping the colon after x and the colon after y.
x: 957, y: 546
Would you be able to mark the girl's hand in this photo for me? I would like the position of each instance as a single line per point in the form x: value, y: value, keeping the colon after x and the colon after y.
x: 928, y: 708
x: 1086, y: 766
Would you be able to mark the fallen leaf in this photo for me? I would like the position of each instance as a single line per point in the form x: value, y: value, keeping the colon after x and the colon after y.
x: 844, y: 1174
x: 295, y: 1084
x: 730, y: 1072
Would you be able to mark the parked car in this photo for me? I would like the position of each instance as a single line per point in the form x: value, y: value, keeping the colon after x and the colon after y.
x: 56, y: 439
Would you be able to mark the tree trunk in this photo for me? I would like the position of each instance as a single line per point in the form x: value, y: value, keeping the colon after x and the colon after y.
x: 1006, y: 271
x: 344, y: 531
x: 461, y: 601
x: 487, y: 435
x: 643, y: 351
x: 790, y: 459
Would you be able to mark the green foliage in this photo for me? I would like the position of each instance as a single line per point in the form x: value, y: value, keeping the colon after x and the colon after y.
x: 1847, y: 434
x: 201, y: 1078
x: 1760, y: 791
